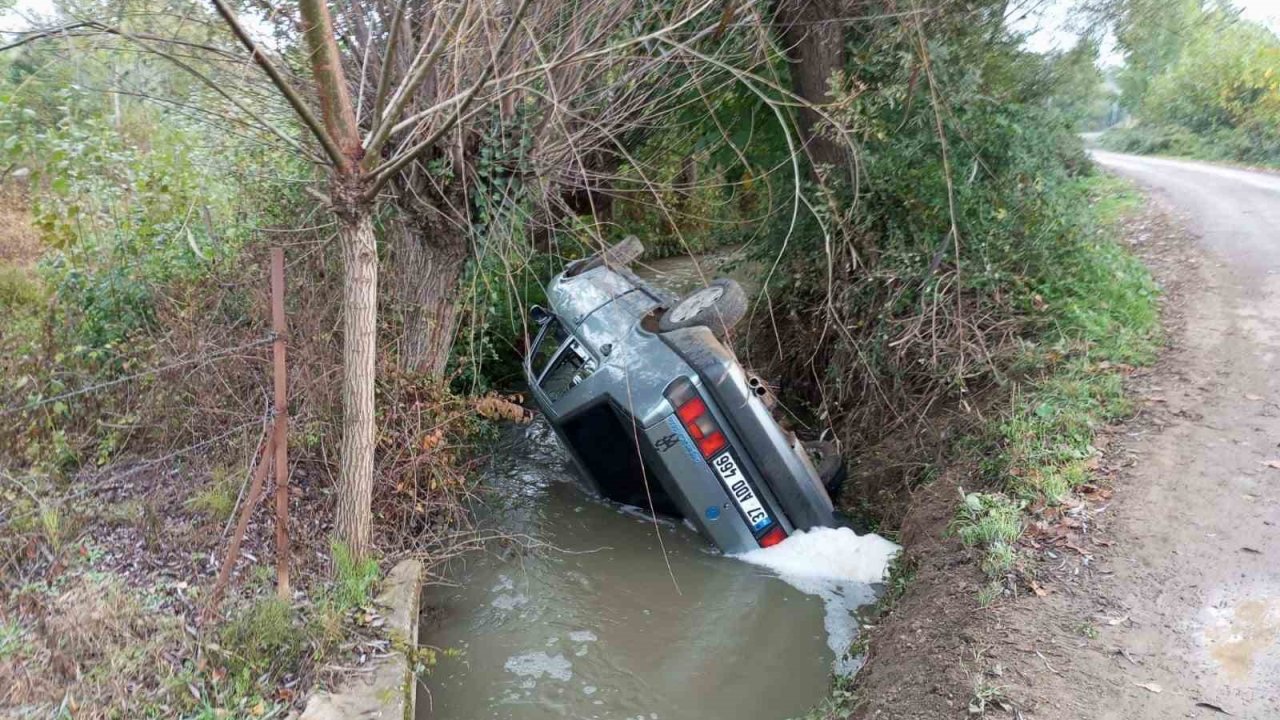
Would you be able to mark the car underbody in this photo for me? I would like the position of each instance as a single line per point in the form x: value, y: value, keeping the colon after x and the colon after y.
x: 657, y: 412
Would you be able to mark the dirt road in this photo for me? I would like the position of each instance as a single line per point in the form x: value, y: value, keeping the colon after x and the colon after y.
x: 1187, y: 609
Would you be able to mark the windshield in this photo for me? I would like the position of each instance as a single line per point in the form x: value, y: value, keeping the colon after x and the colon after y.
x: 549, y: 340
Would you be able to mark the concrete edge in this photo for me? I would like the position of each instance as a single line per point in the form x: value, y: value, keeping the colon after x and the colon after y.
x: 388, y: 691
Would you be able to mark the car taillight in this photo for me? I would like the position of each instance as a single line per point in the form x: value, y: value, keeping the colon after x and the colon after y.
x: 773, y: 537
x: 701, y: 425
x: 696, y: 418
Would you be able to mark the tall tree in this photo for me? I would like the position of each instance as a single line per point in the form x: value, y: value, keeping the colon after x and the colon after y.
x: 414, y: 95
x: 351, y: 199
x: 812, y: 32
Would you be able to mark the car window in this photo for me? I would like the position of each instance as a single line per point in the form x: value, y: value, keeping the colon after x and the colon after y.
x: 549, y: 341
x: 567, y: 370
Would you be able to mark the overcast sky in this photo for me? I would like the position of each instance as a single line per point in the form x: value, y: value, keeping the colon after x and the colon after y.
x: 1050, y: 29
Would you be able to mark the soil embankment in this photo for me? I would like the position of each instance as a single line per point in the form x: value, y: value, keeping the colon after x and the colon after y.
x: 1165, y: 599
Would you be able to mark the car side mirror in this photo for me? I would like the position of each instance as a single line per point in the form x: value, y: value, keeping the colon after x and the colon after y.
x: 539, y: 314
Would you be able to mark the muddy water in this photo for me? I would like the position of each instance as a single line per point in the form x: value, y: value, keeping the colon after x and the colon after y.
x: 603, y: 612
x: 614, y: 615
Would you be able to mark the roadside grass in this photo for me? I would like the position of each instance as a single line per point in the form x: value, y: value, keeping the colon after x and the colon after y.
x: 1102, y: 319
x: 81, y: 639
x: 1228, y: 146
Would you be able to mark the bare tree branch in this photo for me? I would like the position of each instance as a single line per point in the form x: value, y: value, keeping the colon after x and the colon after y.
x: 388, y: 64
x: 290, y: 94
x: 384, y: 122
x: 385, y: 172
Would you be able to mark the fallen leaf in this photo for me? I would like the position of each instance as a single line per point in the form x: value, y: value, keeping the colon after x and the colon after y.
x: 1252, y: 551
x: 431, y: 440
x: 1151, y: 687
x: 1273, y: 464
x: 1078, y: 549
x: 1212, y: 707
x: 496, y: 407
x: 1116, y: 621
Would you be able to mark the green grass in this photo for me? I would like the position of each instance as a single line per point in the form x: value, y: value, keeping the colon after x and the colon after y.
x: 1104, y: 319
x: 19, y: 290
x: 217, y: 500
x: 1114, y: 198
x: 353, y: 579
x: 262, y: 637
x: 13, y: 640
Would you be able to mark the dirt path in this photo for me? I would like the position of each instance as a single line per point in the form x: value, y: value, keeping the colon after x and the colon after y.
x: 1167, y: 603
x: 1196, y: 567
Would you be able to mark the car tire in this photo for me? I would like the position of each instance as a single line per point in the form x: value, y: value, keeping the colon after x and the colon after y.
x: 829, y: 463
x: 619, y: 255
x: 718, y: 307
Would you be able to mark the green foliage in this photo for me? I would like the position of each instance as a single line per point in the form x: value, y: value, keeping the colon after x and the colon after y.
x: 138, y: 204
x: 217, y: 500
x: 13, y: 640
x: 985, y: 519
x: 498, y: 290
x: 1204, y: 83
x: 982, y: 235
x: 1044, y: 448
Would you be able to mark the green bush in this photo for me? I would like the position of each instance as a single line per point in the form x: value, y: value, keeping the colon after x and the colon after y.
x: 1209, y: 91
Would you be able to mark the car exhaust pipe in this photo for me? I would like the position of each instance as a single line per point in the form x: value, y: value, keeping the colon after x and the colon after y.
x: 762, y: 391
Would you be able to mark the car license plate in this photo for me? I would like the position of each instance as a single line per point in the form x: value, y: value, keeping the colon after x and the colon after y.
x: 736, y: 483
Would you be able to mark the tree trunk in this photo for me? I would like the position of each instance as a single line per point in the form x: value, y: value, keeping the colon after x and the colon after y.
x: 429, y: 260
x: 813, y: 35
x: 353, y: 521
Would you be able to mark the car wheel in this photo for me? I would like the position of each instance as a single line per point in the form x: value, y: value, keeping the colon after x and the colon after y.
x: 827, y: 460
x: 718, y: 306
x: 620, y: 255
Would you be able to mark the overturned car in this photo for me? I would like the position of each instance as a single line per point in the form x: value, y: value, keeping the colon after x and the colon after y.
x: 657, y: 412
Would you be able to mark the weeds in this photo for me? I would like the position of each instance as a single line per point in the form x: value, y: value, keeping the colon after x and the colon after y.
x: 1105, y: 321
x: 989, y: 593
x: 353, y: 579
x: 13, y: 640
x: 217, y: 500
x: 985, y: 695
x: 262, y: 638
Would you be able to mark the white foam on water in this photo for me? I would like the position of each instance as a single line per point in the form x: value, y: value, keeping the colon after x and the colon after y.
x: 509, y: 602
x: 582, y: 636
x: 537, y: 664
x: 838, y: 566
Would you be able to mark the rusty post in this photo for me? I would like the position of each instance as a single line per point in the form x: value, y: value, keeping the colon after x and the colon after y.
x: 280, y: 438
x: 246, y: 510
